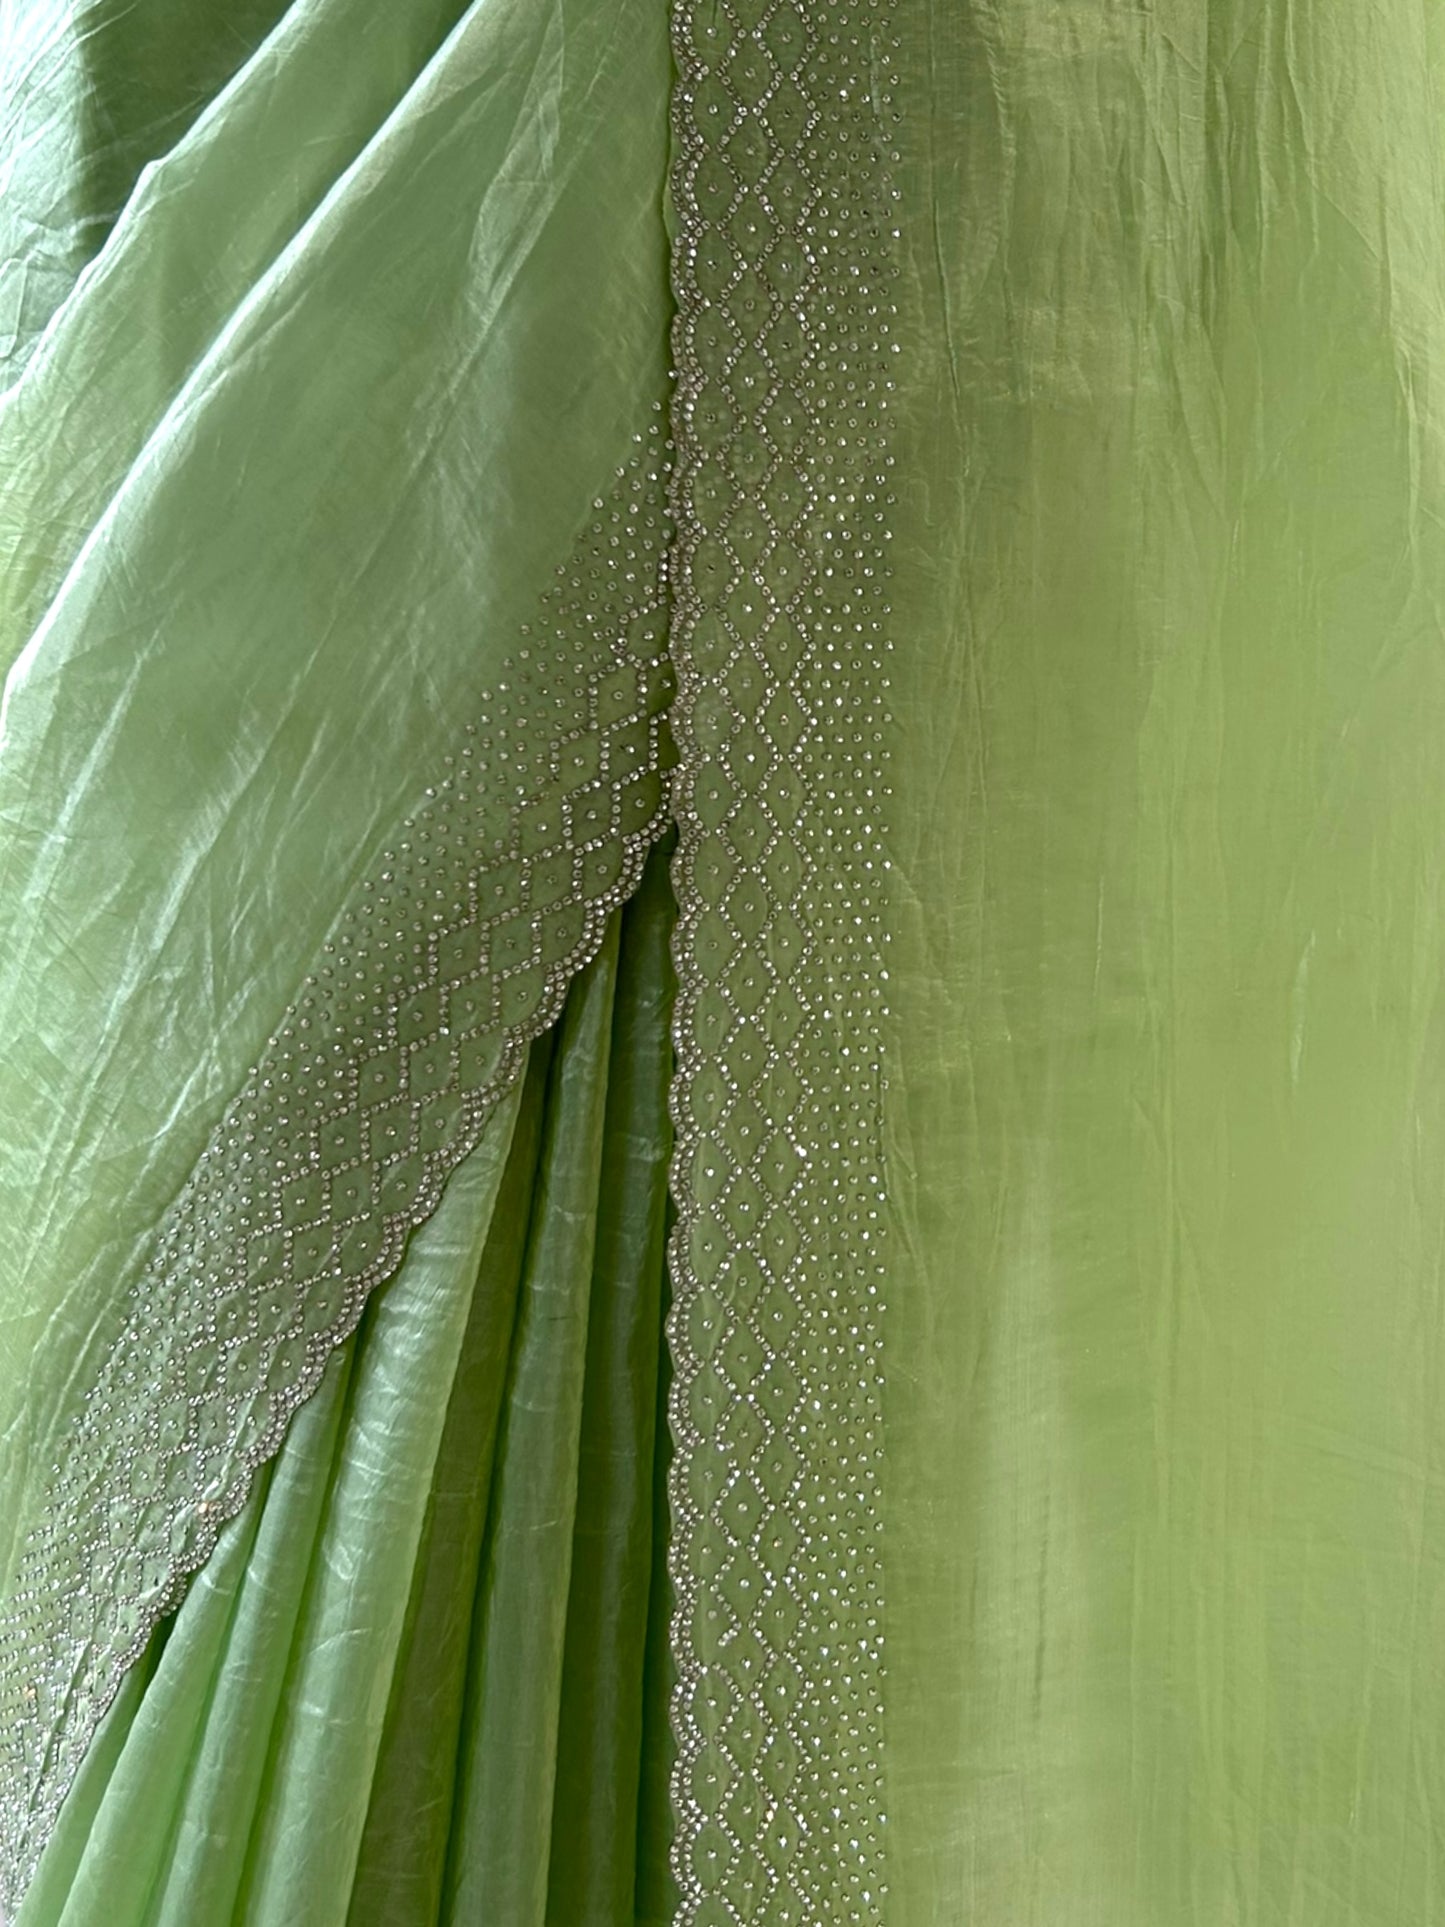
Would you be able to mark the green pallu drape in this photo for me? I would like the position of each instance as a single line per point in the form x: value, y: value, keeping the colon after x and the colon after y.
x: 722, y: 1095
x: 444, y: 1602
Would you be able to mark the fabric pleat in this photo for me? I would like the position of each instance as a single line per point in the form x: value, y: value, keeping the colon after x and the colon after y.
x: 401, y: 1865
x: 440, y: 1602
x: 507, y: 1760
x: 604, y: 1822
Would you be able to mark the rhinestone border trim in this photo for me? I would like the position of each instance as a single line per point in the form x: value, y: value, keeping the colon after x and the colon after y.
x: 783, y: 265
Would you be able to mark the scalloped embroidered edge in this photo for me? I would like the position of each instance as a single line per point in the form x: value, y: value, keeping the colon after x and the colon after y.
x: 30, y: 1803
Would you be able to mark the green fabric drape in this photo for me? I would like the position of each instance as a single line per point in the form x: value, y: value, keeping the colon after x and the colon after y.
x: 1165, y: 1539
x: 1007, y: 440
x: 205, y: 836
x: 442, y: 1599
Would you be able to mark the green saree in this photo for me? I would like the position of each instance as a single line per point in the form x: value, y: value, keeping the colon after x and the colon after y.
x: 722, y: 1112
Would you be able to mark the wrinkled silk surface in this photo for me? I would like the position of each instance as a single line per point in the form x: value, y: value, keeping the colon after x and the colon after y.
x: 1164, y: 1119
x: 445, y: 1603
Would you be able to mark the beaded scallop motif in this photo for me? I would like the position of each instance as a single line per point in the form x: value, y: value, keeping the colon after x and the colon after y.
x: 457, y: 953
x: 784, y: 269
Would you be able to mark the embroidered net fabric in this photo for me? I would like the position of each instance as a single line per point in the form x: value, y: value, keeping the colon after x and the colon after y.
x: 783, y: 267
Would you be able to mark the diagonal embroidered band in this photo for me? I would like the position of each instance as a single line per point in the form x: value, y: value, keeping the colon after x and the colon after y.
x: 456, y: 953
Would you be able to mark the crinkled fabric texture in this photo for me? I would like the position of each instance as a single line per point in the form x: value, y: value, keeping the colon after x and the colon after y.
x: 1162, y: 1109
x: 1167, y: 1577
x: 281, y: 517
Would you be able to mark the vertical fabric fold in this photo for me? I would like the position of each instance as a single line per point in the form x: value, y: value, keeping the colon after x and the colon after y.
x: 602, y: 1812
x: 497, y: 1862
x: 412, y: 1607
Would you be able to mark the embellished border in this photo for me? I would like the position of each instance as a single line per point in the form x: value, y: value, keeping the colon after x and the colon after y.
x: 456, y: 954
x: 783, y: 269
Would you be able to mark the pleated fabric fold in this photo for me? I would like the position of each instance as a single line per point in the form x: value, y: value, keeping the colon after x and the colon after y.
x: 445, y: 1595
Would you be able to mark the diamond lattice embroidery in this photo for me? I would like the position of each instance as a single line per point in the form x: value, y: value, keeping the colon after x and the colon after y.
x: 783, y: 266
